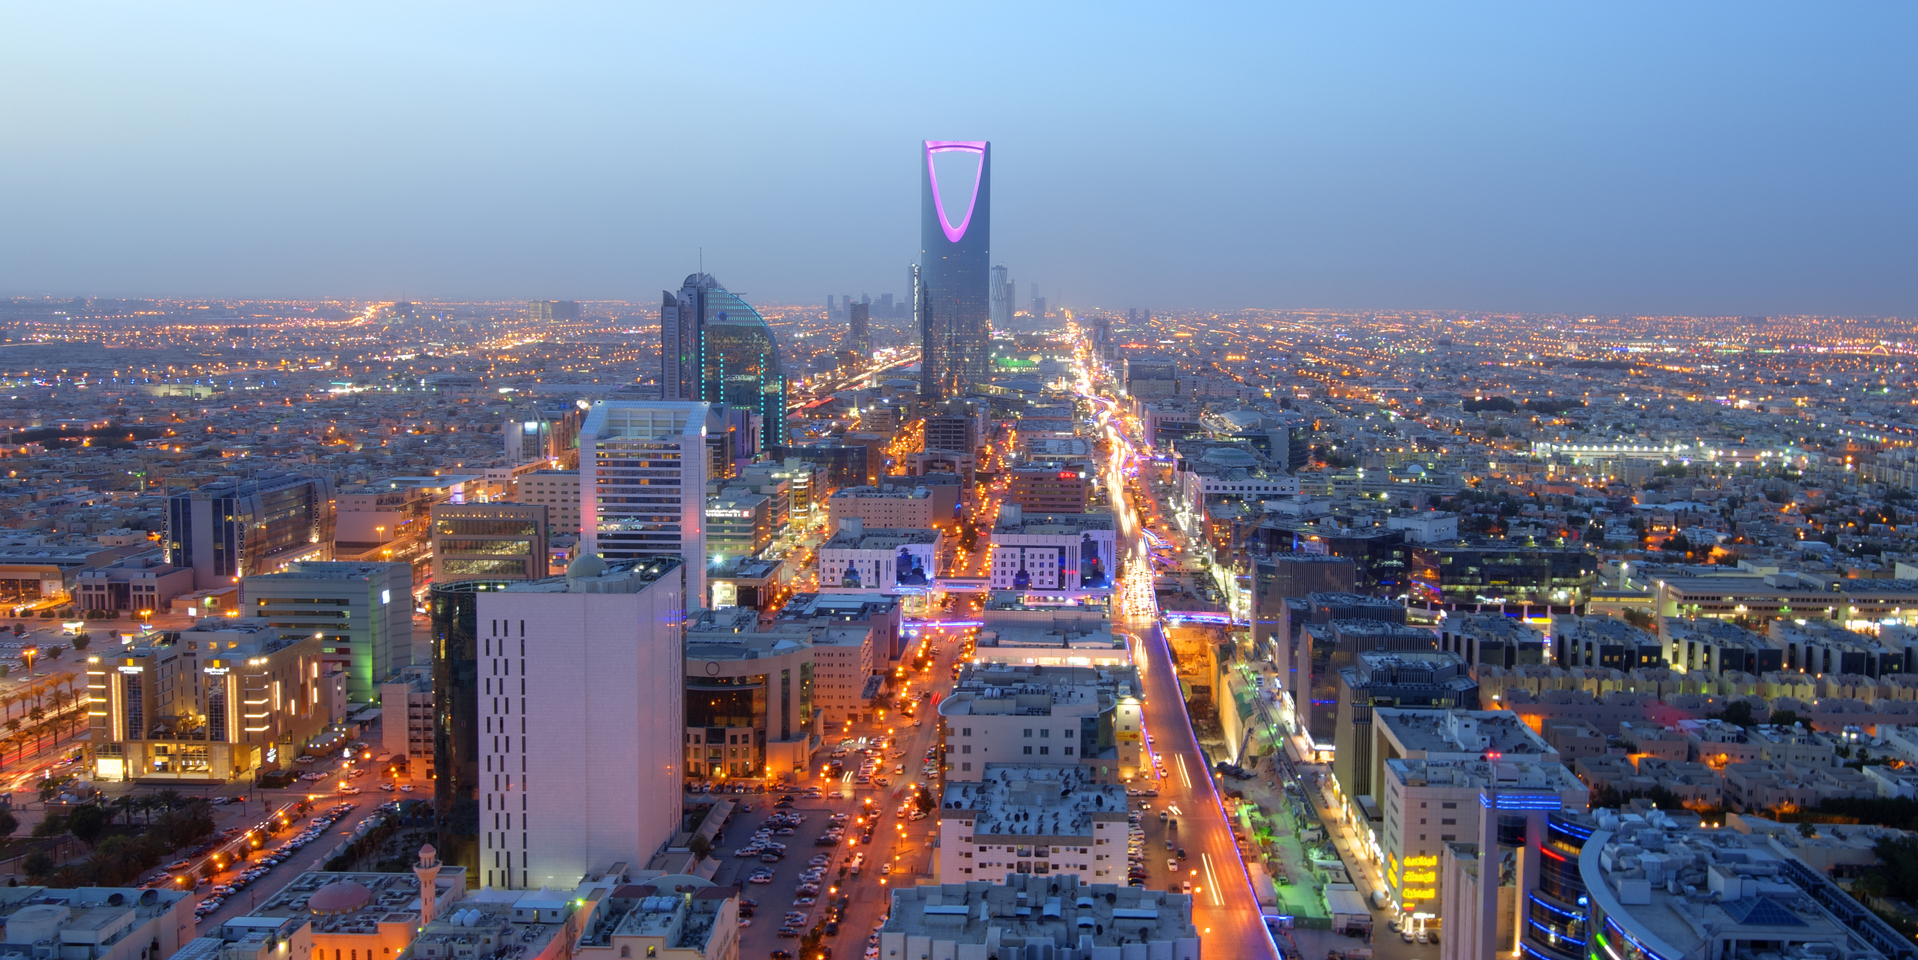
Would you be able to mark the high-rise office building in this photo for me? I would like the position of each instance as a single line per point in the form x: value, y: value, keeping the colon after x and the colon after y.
x: 1002, y: 288
x: 718, y: 349
x: 362, y: 614
x: 642, y: 483
x: 955, y: 322
x: 489, y: 541
x: 454, y: 608
x: 240, y: 527
x: 583, y: 769
x: 1038, y: 309
x: 857, y: 337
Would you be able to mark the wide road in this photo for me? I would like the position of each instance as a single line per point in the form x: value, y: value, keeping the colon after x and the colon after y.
x: 1224, y: 907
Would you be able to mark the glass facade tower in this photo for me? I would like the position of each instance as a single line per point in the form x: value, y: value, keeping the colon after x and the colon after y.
x: 952, y: 295
x: 716, y: 348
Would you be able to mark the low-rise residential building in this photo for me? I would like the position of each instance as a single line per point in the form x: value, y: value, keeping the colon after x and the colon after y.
x: 900, y: 507
x: 1763, y: 785
x: 1039, y: 916
x: 1034, y: 819
x: 1083, y: 717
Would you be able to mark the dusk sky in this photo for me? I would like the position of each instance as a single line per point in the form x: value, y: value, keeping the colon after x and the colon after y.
x: 1656, y: 158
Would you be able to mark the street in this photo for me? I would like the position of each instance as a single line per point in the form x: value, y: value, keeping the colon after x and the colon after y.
x: 1224, y: 906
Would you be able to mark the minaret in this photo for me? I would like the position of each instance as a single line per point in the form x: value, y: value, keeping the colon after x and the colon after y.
x: 428, y: 870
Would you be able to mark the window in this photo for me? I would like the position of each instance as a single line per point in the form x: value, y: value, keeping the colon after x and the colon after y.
x: 1449, y: 805
x: 1028, y: 733
x: 1044, y: 751
x: 1068, y: 751
x: 1045, y: 732
x: 1028, y: 751
x: 967, y: 732
x: 1448, y: 822
x: 965, y: 748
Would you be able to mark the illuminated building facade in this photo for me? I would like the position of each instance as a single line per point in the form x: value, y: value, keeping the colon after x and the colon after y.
x: 953, y: 284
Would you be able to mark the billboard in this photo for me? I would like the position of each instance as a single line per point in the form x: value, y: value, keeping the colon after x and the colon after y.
x: 913, y: 566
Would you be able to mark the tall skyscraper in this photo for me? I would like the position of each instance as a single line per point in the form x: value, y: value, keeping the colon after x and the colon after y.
x: 718, y: 349
x: 642, y: 483
x: 241, y: 527
x: 1001, y: 299
x: 857, y: 339
x: 581, y: 763
x: 955, y: 322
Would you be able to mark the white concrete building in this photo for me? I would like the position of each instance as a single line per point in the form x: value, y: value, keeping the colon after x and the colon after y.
x: 1066, y: 716
x: 581, y: 719
x: 1016, y: 820
x: 642, y: 483
x: 406, y: 721
x: 1066, y: 553
x: 1058, y: 917
x: 886, y: 559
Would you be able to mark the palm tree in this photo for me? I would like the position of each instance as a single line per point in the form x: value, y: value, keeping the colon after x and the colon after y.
x: 169, y: 799
x: 124, y: 804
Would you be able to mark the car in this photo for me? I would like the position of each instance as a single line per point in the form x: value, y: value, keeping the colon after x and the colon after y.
x: 1406, y: 935
x: 884, y: 869
x: 805, y: 901
x: 782, y: 955
x: 745, y: 921
x: 386, y: 787
x: 789, y: 931
x: 1172, y: 824
x: 771, y: 857
x: 1185, y: 887
x: 1171, y: 864
x: 1182, y: 853
x: 1424, y: 935
x: 406, y: 788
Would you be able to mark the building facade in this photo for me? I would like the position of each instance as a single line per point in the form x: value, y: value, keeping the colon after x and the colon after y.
x: 362, y: 614
x: 580, y: 768
x: 952, y: 289
x: 642, y: 471
x: 237, y: 528
x: 227, y: 698
x: 489, y: 541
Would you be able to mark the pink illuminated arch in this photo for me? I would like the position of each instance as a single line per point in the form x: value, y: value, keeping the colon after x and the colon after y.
x: 948, y: 146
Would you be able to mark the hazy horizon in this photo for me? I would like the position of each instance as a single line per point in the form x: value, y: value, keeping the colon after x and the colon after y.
x: 1717, y: 160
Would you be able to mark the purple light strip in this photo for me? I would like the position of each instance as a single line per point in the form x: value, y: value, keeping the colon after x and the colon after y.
x: 939, y: 203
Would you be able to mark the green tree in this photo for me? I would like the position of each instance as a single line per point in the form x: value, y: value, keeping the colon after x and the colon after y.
x: 700, y: 847
x: 37, y: 864
x: 8, y: 824
x: 88, y: 822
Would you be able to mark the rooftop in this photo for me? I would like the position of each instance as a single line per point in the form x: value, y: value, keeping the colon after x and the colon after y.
x: 1034, y: 801
x: 1042, y: 911
x: 1681, y: 890
x: 387, y: 898
x: 1461, y: 731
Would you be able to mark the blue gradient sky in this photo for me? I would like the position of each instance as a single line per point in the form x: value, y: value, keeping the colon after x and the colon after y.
x: 1700, y: 158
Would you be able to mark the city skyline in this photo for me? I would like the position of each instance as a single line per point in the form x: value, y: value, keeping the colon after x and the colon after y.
x: 1652, y: 162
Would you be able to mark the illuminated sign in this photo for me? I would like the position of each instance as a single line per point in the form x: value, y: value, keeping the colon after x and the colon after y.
x: 1425, y: 861
x: 216, y: 671
x: 133, y: 669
